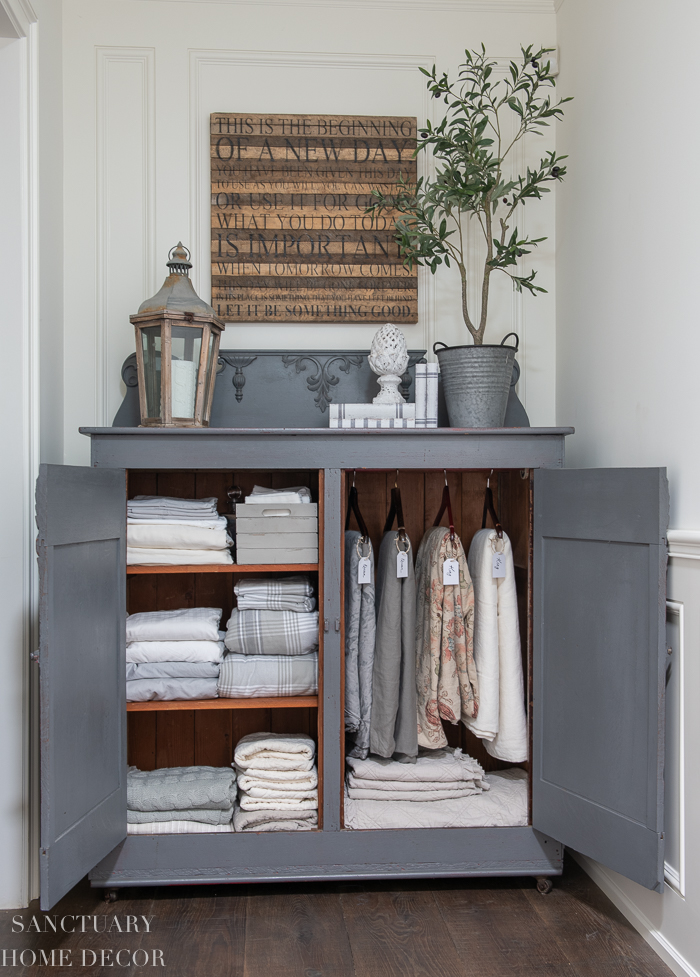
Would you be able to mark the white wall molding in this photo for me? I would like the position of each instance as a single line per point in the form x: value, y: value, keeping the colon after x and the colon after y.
x: 675, y: 876
x: 110, y: 254
x: 654, y: 937
x: 452, y: 6
x: 684, y: 544
x: 199, y: 143
x: 20, y: 14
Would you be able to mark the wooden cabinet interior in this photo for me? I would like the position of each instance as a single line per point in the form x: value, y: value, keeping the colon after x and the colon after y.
x: 421, y: 495
x: 173, y: 734
x: 162, y: 734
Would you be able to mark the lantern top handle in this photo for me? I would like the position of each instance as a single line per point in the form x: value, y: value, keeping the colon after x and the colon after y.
x: 179, y: 260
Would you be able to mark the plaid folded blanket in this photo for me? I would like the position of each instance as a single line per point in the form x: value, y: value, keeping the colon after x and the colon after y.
x: 272, y: 633
x: 265, y: 675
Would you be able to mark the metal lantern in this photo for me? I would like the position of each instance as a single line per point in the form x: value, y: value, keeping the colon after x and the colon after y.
x: 177, y: 349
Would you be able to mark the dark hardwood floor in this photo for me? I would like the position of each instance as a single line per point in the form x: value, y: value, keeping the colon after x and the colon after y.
x: 471, y: 928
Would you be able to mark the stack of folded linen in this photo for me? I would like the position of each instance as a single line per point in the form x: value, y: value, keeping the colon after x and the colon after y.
x: 289, y: 496
x: 173, y: 654
x: 277, y: 780
x: 271, y: 639
x: 441, y: 775
x: 168, y: 532
x: 176, y: 800
x: 502, y: 803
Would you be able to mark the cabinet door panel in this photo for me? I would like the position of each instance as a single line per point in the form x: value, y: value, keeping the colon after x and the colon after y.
x: 599, y: 664
x: 81, y: 517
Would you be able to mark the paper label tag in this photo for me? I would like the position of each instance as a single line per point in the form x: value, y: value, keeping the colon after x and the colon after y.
x: 499, y: 565
x: 450, y: 572
x: 364, y: 570
x: 401, y: 564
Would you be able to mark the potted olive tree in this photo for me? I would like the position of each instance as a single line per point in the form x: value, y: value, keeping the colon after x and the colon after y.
x: 471, y: 150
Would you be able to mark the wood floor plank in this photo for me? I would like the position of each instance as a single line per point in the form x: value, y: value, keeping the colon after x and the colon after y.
x: 296, y: 933
x: 591, y: 933
x: 498, y: 931
x: 400, y: 934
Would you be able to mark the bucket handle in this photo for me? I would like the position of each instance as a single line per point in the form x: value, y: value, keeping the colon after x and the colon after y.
x: 517, y: 341
x: 438, y: 343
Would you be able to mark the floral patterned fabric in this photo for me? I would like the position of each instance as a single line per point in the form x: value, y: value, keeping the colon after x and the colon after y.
x: 446, y: 679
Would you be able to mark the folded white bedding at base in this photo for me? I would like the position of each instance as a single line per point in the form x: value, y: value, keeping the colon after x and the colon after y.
x: 176, y: 557
x: 268, y: 675
x: 183, y: 624
x: 178, y: 828
x: 217, y: 522
x: 180, y: 536
x: 275, y: 751
x: 174, y: 652
x: 167, y: 689
x: 274, y: 820
x: 172, y: 669
x: 504, y: 804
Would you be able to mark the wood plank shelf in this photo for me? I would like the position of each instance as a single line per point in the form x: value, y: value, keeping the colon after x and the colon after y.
x: 222, y: 568
x: 264, y: 702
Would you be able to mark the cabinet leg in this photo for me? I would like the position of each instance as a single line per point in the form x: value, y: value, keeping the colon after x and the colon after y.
x: 544, y: 884
x: 111, y: 895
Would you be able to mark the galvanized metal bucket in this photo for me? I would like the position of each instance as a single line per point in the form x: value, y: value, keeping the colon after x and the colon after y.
x: 476, y: 381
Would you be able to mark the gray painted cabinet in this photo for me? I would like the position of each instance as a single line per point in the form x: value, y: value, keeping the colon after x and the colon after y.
x: 597, y: 586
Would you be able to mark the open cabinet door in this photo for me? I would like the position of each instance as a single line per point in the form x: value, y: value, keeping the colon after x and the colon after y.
x: 81, y: 516
x: 599, y: 664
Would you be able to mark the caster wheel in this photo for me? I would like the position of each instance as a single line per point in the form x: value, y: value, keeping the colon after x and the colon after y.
x: 544, y: 885
x: 111, y: 895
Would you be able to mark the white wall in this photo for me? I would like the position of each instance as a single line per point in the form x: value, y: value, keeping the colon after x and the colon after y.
x: 140, y: 79
x: 627, y: 320
x: 19, y: 442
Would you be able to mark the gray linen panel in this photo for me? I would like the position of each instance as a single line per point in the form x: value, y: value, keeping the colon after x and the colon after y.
x: 394, y: 724
x: 360, y: 631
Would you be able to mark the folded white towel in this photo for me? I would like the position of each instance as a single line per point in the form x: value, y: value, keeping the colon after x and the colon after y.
x: 275, y: 751
x: 248, y: 803
x: 163, y: 557
x: 184, y: 624
x: 274, y: 820
x: 269, y: 794
x: 138, y: 652
x: 219, y: 522
x: 181, y: 536
x: 279, y: 777
x: 287, y: 788
x: 164, y: 504
x: 290, y: 496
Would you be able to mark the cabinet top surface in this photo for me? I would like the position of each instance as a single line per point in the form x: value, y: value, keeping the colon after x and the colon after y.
x: 315, y: 432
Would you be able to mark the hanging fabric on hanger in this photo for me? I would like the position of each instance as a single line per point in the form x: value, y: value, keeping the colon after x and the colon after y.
x: 501, y: 721
x: 393, y: 724
x: 446, y: 678
x: 360, y: 631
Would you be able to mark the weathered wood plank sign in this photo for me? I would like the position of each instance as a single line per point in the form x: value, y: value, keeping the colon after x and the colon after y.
x: 290, y: 239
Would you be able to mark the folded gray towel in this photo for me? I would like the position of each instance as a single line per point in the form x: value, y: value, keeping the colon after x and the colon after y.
x: 180, y: 789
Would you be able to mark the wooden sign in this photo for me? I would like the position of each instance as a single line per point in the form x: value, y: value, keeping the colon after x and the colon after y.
x: 290, y: 237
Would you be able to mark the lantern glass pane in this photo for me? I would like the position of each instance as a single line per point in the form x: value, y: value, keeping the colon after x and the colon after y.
x: 151, y: 346
x: 211, y: 367
x: 186, y: 345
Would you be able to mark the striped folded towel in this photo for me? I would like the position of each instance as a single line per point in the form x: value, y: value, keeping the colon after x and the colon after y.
x: 272, y: 632
x: 268, y: 675
x: 275, y: 594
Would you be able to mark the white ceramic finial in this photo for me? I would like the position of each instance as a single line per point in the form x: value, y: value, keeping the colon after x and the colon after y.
x: 388, y: 358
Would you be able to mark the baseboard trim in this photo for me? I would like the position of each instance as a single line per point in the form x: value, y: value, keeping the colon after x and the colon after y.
x: 656, y: 940
x: 684, y: 544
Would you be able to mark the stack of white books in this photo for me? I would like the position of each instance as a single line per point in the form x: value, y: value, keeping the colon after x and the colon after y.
x: 427, y: 394
x: 372, y: 416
